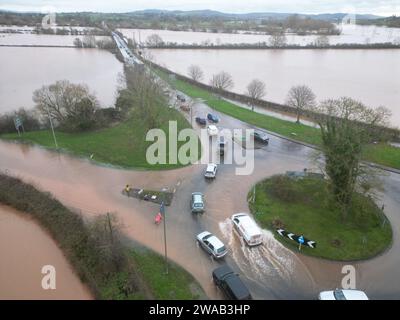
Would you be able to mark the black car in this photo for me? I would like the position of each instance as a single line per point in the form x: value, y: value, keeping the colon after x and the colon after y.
x: 261, y: 137
x: 201, y: 121
x: 212, y: 117
x: 230, y: 283
x: 180, y: 98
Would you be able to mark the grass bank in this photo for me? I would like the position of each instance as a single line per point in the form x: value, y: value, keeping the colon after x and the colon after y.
x: 109, y: 268
x: 383, y: 154
x: 122, y: 145
x: 302, y: 207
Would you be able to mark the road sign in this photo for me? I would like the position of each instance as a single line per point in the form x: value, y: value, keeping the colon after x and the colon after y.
x: 18, y: 124
x: 299, y: 239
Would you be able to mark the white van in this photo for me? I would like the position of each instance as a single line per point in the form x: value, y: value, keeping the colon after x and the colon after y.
x: 247, y: 228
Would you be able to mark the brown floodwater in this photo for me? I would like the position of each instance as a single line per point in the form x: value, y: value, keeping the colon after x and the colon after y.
x: 23, y: 70
x: 24, y: 249
x: 271, y: 271
x: 371, y: 76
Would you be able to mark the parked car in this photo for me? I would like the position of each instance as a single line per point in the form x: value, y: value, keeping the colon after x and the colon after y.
x: 260, y: 137
x: 247, y: 229
x: 197, y: 202
x: 211, y: 244
x: 201, y: 121
x: 212, y: 118
x: 211, y: 171
x: 340, y: 294
x: 212, y: 130
x: 230, y: 284
x: 221, y: 145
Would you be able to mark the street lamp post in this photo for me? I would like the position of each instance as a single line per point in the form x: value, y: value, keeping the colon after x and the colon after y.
x: 52, y: 127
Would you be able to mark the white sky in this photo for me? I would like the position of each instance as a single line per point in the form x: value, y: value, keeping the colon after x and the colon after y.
x: 378, y: 7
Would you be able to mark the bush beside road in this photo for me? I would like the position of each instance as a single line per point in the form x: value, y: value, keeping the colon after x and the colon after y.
x: 302, y: 206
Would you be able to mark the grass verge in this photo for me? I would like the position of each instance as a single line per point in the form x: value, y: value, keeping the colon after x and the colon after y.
x: 383, y: 154
x: 301, y: 206
x: 109, y: 268
x: 122, y: 145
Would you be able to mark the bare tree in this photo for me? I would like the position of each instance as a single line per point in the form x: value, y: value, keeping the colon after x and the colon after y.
x: 195, y: 72
x: 277, y: 39
x: 322, y: 41
x: 154, y: 40
x: 301, y: 97
x: 67, y: 103
x: 221, y: 81
x: 256, y: 90
x: 89, y: 41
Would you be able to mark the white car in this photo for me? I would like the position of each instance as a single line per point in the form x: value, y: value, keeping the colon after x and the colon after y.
x: 212, y: 244
x: 211, y: 171
x: 247, y: 228
x: 212, y: 130
x: 340, y: 294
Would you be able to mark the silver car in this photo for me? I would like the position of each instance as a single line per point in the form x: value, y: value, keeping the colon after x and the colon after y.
x: 197, y: 202
x: 211, y: 244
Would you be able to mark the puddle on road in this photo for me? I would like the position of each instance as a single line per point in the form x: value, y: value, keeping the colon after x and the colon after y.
x: 268, y: 263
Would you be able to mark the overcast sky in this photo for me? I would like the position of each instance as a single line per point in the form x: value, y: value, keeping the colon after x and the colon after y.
x: 379, y: 7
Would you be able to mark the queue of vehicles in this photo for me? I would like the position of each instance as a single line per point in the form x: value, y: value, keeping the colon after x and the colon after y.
x: 244, y: 225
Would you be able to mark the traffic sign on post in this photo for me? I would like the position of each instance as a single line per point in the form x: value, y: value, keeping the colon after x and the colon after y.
x: 299, y: 239
x: 18, y: 124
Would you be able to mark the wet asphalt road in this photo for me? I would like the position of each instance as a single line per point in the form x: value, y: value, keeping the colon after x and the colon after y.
x: 271, y: 271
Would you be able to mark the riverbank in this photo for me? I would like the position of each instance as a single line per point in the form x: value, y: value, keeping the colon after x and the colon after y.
x: 301, y: 206
x: 381, y: 153
x: 107, y: 265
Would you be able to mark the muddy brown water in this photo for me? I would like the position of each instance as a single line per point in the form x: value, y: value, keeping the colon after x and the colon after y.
x: 24, y: 70
x: 271, y: 271
x: 24, y: 249
x: 370, y: 76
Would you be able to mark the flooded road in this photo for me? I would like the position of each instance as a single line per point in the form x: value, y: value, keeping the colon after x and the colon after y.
x: 271, y: 271
x: 329, y: 73
x: 26, y: 69
x: 24, y: 249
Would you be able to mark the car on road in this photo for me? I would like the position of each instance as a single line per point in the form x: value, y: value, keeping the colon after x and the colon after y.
x: 212, y: 130
x: 342, y: 294
x: 212, y: 118
x: 211, y: 171
x: 211, y: 244
x: 197, y: 202
x: 260, y: 137
x: 180, y: 97
x: 221, y: 145
x: 201, y: 121
x: 247, y: 229
x: 230, y: 283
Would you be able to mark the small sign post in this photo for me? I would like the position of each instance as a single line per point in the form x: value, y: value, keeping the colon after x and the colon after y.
x: 18, y: 124
x: 301, y: 241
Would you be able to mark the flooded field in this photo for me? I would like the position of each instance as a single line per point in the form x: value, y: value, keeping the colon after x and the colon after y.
x: 24, y: 249
x: 27, y: 69
x: 41, y: 39
x: 350, y: 34
x: 371, y: 76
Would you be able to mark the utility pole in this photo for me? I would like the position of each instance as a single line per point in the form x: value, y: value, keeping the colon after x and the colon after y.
x: 162, y: 211
x: 52, y: 128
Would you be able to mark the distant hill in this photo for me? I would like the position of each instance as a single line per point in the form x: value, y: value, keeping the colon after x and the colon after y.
x: 333, y: 17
